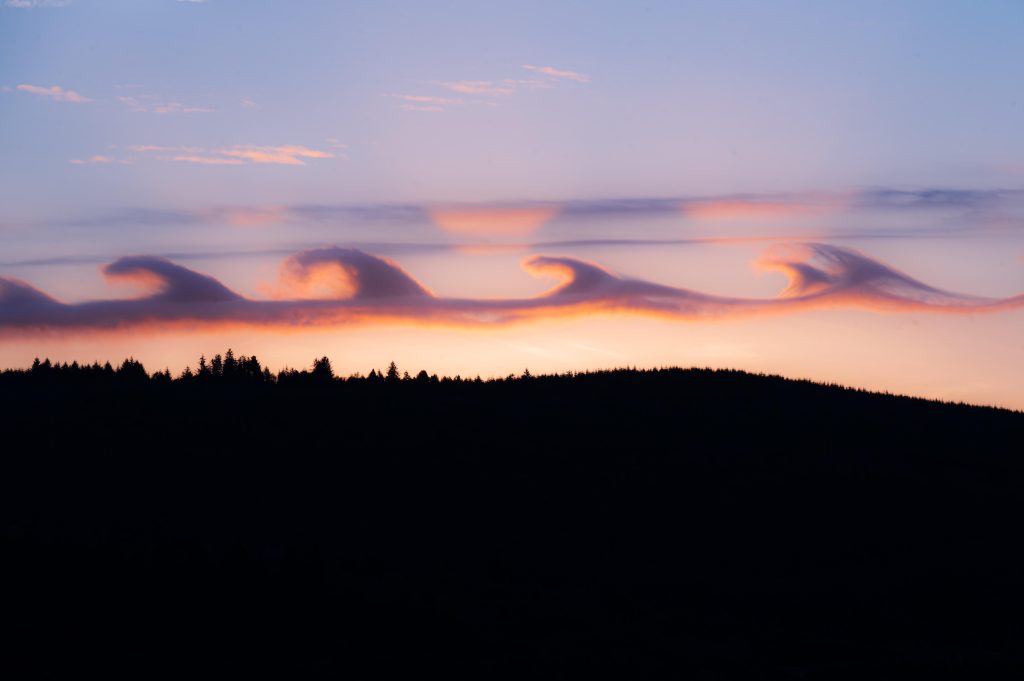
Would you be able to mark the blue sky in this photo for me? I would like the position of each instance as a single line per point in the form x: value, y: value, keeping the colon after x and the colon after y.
x: 682, y: 98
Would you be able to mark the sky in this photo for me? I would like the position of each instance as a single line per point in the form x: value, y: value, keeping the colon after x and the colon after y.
x: 831, y: 191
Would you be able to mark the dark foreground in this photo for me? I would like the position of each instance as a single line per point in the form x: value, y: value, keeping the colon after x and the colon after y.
x: 678, y: 523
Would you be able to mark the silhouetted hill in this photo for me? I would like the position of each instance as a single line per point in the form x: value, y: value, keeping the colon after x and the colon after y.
x: 697, y: 523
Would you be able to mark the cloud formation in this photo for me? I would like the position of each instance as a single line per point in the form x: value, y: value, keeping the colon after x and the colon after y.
x: 552, y: 72
x: 98, y: 158
x: 779, y: 217
x: 329, y: 286
x: 479, y: 87
x: 487, y: 91
x: 492, y: 220
x: 25, y: 4
x: 239, y: 154
x: 153, y: 104
x: 54, y: 92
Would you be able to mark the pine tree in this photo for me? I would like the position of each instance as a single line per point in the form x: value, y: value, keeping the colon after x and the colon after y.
x: 322, y: 369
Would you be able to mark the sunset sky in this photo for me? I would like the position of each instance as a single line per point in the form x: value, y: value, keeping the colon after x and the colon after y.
x: 831, y: 191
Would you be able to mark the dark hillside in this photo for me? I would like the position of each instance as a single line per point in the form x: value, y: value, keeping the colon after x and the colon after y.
x: 702, y: 523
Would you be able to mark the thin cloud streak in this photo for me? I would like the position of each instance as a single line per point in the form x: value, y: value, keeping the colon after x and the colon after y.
x: 26, y: 4
x: 948, y: 212
x: 239, y: 154
x: 552, y: 72
x: 332, y: 286
x: 54, y: 92
x: 151, y: 104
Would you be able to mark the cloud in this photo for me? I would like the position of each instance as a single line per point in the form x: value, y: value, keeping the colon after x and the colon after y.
x: 329, y: 286
x: 492, y: 220
x: 54, y: 92
x: 426, y: 99
x: 425, y: 102
x: 479, y: 87
x: 36, y: 3
x: 552, y: 72
x: 284, y: 155
x: 487, y: 91
x: 152, y: 104
x: 206, y: 160
x: 759, y: 208
x: 239, y: 154
x: 98, y: 158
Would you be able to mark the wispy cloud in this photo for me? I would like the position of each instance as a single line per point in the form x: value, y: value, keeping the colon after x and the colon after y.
x: 248, y: 103
x: 487, y: 92
x: 25, y: 4
x: 239, y: 154
x: 145, y: 148
x: 479, y: 87
x: 98, y: 158
x: 291, y: 155
x: 54, y: 92
x: 492, y: 220
x: 562, y: 74
x: 424, y: 102
x: 207, y: 160
x: 152, y: 104
x: 330, y: 286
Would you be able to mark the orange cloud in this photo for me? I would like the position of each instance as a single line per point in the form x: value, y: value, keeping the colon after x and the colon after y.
x: 289, y: 154
x: 54, y: 92
x: 283, y: 155
x: 493, y: 221
x: 330, y: 286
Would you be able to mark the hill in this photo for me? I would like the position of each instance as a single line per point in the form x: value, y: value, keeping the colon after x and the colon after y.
x: 673, y: 522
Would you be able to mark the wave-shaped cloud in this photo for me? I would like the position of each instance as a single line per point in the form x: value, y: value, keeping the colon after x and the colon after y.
x: 342, y: 285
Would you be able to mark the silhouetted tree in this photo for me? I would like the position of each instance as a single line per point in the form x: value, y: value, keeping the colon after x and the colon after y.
x: 132, y: 371
x: 322, y: 370
x: 392, y: 374
x: 230, y: 365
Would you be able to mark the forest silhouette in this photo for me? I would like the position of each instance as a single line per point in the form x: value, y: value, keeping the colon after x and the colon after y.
x: 697, y: 522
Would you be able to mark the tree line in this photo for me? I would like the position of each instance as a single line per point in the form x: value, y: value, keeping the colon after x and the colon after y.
x: 226, y: 369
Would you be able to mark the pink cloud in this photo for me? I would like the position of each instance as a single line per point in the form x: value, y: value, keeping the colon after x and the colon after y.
x: 91, y: 159
x: 54, y: 92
